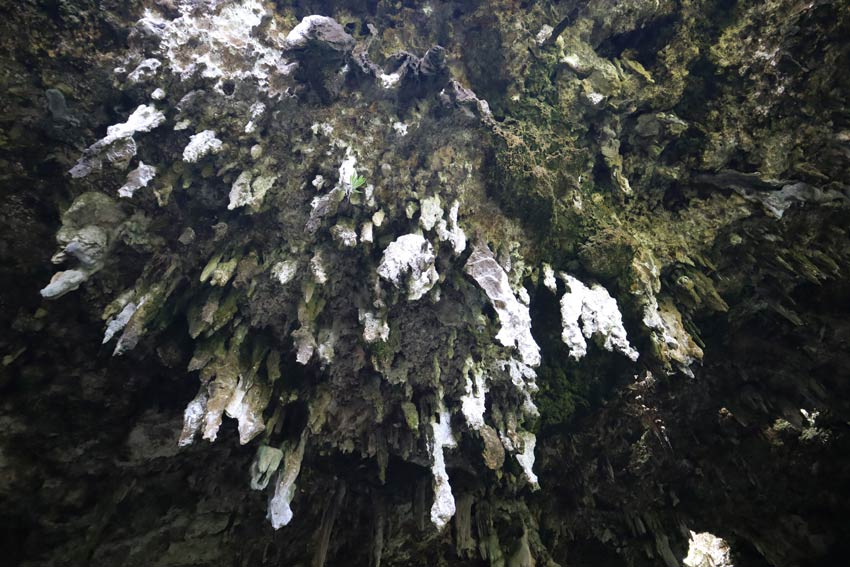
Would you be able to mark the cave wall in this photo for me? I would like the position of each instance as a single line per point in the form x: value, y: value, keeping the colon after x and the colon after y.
x: 673, y: 172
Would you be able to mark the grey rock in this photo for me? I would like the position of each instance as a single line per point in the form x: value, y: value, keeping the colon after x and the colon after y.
x: 319, y: 36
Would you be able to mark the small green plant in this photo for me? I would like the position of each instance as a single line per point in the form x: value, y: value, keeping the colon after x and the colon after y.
x: 356, y: 182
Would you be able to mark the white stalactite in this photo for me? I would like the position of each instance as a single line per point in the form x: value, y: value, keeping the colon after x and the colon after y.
x: 443, y: 507
x: 588, y: 311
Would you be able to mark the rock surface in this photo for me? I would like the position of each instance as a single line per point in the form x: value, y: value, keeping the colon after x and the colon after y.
x: 337, y: 260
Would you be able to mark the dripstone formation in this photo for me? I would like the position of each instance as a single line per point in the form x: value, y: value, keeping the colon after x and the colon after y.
x: 441, y: 283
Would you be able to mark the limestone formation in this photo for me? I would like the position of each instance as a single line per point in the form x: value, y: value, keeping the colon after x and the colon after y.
x: 444, y: 283
x: 591, y: 312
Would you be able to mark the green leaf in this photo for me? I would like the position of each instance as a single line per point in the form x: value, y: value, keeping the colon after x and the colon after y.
x: 356, y: 181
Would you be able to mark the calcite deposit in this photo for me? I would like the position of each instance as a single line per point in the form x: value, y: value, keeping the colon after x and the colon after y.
x: 425, y: 283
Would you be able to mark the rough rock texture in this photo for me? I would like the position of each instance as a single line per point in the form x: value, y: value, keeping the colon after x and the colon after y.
x: 326, y: 236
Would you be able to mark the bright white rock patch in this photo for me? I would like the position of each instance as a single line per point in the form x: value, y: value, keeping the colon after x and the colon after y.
x: 344, y: 234
x: 220, y: 44
x: 451, y: 232
x: 240, y: 191
x: 119, y: 321
x: 430, y: 212
x: 280, y: 506
x: 588, y: 311
x: 523, y: 377
x: 410, y: 257
x: 400, y: 128
x: 389, y: 80
x: 249, y: 191
x: 136, y: 179
x: 347, y: 170
x: 549, y: 278
x: 526, y: 458
x: 299, y: 37
x: 201, y: 145
x: 707, y: 550
x: 193, y: 418
x: 257, y: 110
x: 443, y: 507
x: 284, y: 271
x: 118, y: 146
x: 144, y: 119
x: 146, y: 70
x: 473, y: 402
x: 240, y: 408
x: 513, y: 315
x: 374, y: 327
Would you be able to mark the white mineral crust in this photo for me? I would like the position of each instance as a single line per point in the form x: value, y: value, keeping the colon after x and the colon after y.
x: 280, y: 509
x: 146, y: 70
x: 285, y: 271
x: 443, y: 507
x: 410, y: 257
x: 193, y: 417
x: 430, y: 212
x: 526, y: 458
x: 144, y: 119
x: 588, y: 311
x: 118, y: 146
x: 136, y: 179
x: 707, y: 550
x: 120, y: 321
x: 221, y: 44
x: 473, y: 402
x: 374, y: 327
x: 201, y: 145
x: 239, y: 408
x: 549, y: 278
x: 513, y: 315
